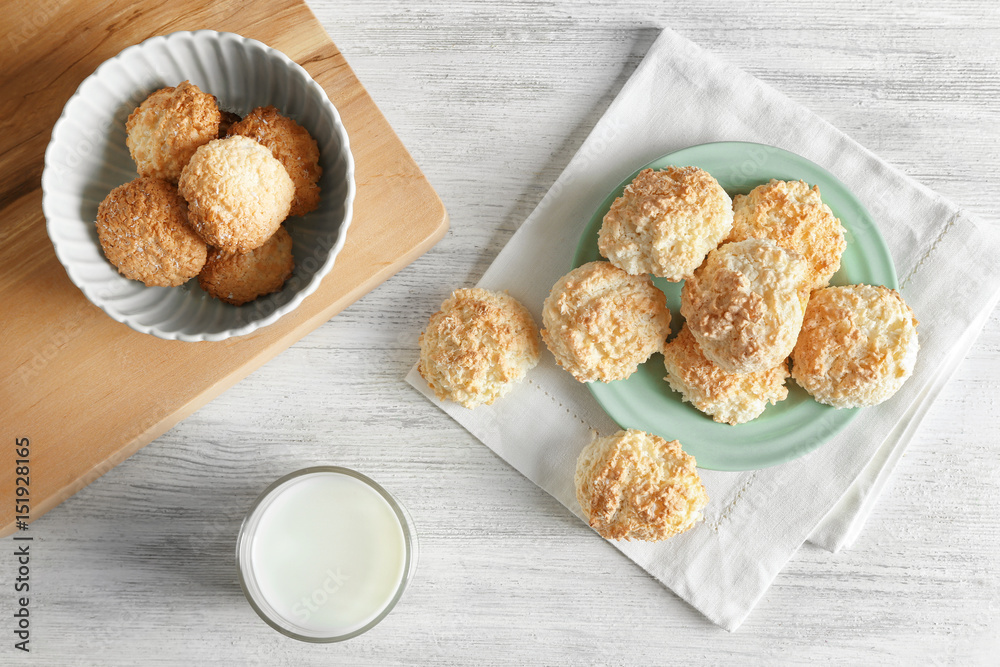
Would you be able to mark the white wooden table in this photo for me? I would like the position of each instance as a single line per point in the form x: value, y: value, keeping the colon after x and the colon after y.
x: 492, y: 99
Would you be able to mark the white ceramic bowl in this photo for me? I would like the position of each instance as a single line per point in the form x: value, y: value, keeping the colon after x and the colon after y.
x: 87, y: 158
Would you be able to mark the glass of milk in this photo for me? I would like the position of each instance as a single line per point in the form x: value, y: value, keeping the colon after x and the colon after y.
x: 325, y: 553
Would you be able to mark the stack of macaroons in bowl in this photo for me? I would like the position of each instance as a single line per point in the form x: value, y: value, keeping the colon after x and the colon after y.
x: 212, y: 193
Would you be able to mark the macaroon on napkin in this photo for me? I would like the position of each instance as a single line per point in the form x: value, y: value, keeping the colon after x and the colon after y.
x: 680, y: 96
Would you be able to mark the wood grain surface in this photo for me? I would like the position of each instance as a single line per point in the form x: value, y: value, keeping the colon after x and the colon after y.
x: 87, y: 390
x: 492, y: 99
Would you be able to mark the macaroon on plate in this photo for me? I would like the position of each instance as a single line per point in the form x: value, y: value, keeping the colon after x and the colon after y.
x: 794, y: 426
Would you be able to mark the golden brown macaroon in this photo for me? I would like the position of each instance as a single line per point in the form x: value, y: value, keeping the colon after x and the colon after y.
x: 728, y: 398
x: 665, y: 222
x: 168, y: 127
x: 142, y: 227
x: 237, y: 193
x: 240, y: 277
x: 793, y: 215
x: 637, y: 486
x: 857, y: 347
x: 477, y: 347
x: 745, y: 304
x: 601, y: 323
x: 293, y: 146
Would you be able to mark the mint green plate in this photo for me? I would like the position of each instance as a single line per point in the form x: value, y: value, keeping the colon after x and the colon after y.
x: 794, y: 426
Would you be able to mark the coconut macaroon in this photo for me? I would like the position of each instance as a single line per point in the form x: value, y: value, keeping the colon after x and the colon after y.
x: 857, y: 347
x: 237, y: 278
x: 728, y: 398
x: 745, y: 304
x: 600, y: 322
x: 793, y: 215
x: 665, y: 222
x: 637, y: 486
x: 168, y: 127
x: 237, y: 193
x: 477, y: 347
x: 293, y: 146
x: 142, y: 227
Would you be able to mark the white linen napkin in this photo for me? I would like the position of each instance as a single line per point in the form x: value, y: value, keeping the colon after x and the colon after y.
x: 680, y: 96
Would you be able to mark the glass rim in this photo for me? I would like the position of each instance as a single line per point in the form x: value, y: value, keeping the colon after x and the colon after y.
x: 244, y: 539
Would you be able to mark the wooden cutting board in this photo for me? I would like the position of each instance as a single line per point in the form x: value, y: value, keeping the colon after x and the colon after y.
x: 86, y: 391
